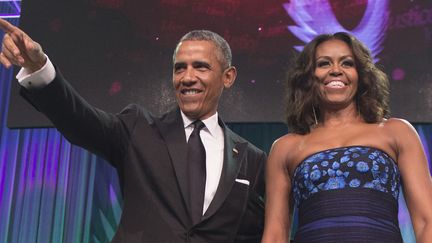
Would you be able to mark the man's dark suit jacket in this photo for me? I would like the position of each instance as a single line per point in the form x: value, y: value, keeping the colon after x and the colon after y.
x: 149, y: 154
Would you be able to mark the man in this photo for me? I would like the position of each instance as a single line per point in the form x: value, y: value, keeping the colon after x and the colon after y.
x: 166, y: 198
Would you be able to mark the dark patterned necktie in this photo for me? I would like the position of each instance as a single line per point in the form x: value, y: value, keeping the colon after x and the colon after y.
x: 197, y: 172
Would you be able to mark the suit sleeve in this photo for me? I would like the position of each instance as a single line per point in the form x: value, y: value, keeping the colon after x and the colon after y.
x: 82, y: 124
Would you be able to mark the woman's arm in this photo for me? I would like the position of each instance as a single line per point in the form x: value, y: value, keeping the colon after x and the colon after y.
x: 278, y: 187
x: 416, y: 178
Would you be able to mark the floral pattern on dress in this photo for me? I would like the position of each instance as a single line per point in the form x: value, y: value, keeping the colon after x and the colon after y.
x: 346, y: 167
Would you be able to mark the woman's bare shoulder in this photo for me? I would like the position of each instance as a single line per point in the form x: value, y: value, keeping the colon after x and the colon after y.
x: 400, y: 131
x: 285, y: 148
x: 287, y: 141
x: 397, y: 125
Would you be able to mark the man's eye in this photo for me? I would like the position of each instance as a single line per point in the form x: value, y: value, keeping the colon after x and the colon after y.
x: 178, y: 69
x: 201, y: 67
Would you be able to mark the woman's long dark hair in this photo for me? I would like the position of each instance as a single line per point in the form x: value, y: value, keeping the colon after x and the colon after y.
x: 302, y: 94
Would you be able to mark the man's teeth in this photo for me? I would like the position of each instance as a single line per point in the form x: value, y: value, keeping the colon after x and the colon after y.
x: 336, y: 84
x: 188, y: 92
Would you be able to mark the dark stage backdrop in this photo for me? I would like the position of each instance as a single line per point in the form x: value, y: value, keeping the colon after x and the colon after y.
x: 116, y: 52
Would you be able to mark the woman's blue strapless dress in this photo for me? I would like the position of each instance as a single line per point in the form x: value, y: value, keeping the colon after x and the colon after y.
x: 347, y: 194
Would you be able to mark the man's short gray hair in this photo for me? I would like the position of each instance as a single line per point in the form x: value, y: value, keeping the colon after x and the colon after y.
x: 221, y: 44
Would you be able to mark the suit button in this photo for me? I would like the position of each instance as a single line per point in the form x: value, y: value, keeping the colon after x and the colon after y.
x: 189, y: 236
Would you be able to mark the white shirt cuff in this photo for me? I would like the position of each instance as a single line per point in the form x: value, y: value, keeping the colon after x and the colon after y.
x: 38, y: 79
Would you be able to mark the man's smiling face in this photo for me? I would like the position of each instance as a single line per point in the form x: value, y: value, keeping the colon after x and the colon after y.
x: 199, y: 78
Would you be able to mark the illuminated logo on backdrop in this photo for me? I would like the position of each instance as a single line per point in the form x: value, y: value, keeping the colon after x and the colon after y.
x: 314, y: 17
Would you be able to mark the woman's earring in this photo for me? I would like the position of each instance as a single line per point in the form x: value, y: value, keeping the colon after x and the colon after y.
x: 358, y: 109
x: 315, y: 116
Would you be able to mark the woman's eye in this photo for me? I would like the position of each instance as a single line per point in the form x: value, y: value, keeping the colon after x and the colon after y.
x: 323, y: 64
x: 348, y: 63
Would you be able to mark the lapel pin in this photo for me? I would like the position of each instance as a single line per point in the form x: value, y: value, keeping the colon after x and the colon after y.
x: 235, y: 150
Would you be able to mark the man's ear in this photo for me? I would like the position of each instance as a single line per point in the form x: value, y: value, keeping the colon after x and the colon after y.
x: 229, y: 77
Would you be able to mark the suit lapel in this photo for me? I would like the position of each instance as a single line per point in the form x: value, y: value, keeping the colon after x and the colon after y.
x: 172, y: 130
x: 233, y: 154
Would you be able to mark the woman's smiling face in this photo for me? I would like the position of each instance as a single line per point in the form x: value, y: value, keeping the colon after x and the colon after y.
x: 335, y: 69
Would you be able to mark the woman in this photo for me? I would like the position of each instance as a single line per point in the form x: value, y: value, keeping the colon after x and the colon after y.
x: 344, y: 160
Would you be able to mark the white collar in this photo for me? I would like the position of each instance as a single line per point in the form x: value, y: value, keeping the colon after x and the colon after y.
x: 211, y: 123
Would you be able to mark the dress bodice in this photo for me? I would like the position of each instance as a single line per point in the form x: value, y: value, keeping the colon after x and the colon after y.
x: 347, y: 194
x: 346, y: 167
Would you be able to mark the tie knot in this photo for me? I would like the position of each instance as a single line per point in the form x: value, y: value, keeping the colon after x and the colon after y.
x: 198, y: 125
